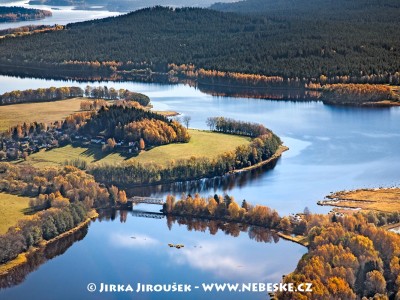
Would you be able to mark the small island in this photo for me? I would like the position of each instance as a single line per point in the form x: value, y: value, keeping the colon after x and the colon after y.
x: 16, y: 14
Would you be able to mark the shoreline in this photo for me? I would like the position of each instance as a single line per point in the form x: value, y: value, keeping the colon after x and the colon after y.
x: 91, y: 75
x: 22, y: 257
x: 298, y: 239
x: 378, y: 200
x: 278, y: 153
x: 383, y: 103
x: 295, y: 239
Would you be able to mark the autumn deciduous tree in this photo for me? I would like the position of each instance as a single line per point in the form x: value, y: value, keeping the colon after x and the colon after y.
x: 109, y: 146
x: 340, y: 288
x: 40, y: 95
x: 113, y: 190
x: 233, y: 210
x: 375, y: 283
x: 141, y: 144
x: 212, y: 206
x: 285, y: 224
x: 64, y: 196
x: 169, y: 203
x: 122, y: 197
x: 265, y: 145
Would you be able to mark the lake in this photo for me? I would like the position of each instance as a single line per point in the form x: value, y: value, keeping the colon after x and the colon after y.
x: 137, y: 251
x: 61, y: 15
x: 331, y: 148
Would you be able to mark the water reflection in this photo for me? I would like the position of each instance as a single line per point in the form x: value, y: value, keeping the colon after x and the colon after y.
x: 283, y: 93
x: 224, y: 183
x: 133, y: 246
x: 331, y: 147
x: 40, y: 257
x: 61, y: 15
x: 139, y: 240
x: 256, y: 233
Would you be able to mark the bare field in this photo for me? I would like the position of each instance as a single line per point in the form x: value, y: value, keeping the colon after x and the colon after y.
x: 11, y: 115
x: 385, y: 199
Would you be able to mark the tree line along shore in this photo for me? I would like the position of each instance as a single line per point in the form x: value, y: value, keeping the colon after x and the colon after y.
x: 123, y: 126
x: 349, y: 255
x: 253, y: 49
x: 15, y: 14
x: 61, y: 197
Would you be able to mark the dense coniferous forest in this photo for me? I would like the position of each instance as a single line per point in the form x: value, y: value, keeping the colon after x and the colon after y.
x: 123, y: 5
x: 363, y: 46
x: 132, y: 124
x: 14, y: 13
x: 360, y: 10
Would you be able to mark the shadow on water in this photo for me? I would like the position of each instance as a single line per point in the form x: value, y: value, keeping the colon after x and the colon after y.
x: 275, y: 93
x: 40, y: 257
x: 226, y: 183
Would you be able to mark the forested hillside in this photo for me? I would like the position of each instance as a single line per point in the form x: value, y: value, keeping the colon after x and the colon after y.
x: 363, y: 49
x: 355, y: 10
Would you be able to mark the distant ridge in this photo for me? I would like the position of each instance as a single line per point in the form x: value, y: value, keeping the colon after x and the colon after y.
x: 286, y: 44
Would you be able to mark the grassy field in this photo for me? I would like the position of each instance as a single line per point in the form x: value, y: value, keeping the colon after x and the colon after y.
x: 12, y: 209
x: 11, y: 115
x: 167, y: 113
x: 386, y: 200
x: 202, y: 143
x: 58, y: 156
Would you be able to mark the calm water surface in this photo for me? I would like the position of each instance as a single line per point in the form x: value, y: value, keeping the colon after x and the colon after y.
x: 137, y: 251
x: 61, y: 15
x: 331, y: 148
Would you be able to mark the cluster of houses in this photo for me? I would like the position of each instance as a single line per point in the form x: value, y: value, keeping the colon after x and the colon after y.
x: 34, y: 142
x: 120, y: 146
x: 11, y: 148
x: 296, y: 218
